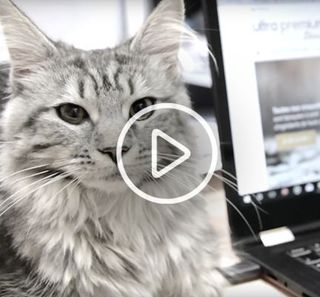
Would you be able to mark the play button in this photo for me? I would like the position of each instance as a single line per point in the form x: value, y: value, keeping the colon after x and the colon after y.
x: 186, y: 154
x: 171, y: 175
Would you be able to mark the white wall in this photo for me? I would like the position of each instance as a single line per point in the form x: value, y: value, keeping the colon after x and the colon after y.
x: 104, y: 23
x: 85, y: 24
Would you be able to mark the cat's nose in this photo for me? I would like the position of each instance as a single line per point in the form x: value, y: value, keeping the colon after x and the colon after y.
x: 112, y: 152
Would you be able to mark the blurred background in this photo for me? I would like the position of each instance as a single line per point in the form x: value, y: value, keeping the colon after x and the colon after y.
x: 105, y: 23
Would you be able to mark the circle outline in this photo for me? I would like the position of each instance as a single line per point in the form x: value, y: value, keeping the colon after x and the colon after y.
x: 214, y: 154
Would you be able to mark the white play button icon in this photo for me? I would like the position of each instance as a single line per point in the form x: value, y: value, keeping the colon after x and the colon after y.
x: 157, y: 190
x: 186, y: 153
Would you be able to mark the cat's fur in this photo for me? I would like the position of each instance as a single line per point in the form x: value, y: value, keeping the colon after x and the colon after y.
x: 95, y: 237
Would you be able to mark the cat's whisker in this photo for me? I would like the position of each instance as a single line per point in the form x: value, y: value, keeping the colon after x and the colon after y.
x: 257, y: 210
x: 75, y: 186
x: 228, y: 201
x: 15, y: 181
x: 65, y: 187
x: 25, y: 187
x: 242, y: 216
x: 185, y: 165
x: 226, y: 181
x: 26, y: 170
x: 230, y: 183
x: 175, y: 156
x: 234, y: 187
x: 223, y: 179
x: 228, y: 173
x: 22, y: 171
x: 256, y: 207
x: 12, y: 203
x: 152, y: 179
x: 188, y: 35
x: 172, y: 157
x: 27, y: 177
x: 195, y: 39
x: 51, y: 180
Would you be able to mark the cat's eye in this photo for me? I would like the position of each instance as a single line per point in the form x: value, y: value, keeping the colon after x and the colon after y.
x: 140, y: 105
x: 72, y: 114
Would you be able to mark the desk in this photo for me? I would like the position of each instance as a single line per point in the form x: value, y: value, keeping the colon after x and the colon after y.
x: 218, y: 212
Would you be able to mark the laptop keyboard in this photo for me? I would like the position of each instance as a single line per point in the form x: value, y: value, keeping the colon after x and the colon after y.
x: 309, y: 255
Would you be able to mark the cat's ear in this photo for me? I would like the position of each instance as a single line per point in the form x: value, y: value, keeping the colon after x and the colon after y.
x: 161, y: 34
x: 26, y: 43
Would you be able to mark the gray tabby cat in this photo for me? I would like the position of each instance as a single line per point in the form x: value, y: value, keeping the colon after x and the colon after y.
x: 69, y: 225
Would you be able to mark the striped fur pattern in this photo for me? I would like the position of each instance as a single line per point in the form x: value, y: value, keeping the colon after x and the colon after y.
x: 70, y: 227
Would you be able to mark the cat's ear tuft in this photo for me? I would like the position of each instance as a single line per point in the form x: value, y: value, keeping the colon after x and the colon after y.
x: 161, y: 34
x: 26, y: 43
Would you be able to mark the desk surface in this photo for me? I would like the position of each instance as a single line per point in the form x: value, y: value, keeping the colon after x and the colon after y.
x: 217, y: 208
x: 253, y: 289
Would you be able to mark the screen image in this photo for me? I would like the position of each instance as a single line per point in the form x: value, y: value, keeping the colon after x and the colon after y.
x: 271, y: 53
x: 290, y: 113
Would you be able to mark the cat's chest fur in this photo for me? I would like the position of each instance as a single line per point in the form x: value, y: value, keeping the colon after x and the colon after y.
x: 98, y: 245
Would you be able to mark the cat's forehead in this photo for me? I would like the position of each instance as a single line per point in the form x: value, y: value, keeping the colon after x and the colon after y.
x: 99, y: 78
x: 102, y: 60
x: 112, y: 74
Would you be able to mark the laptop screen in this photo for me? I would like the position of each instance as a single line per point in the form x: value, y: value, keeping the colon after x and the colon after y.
x: 271, y: 52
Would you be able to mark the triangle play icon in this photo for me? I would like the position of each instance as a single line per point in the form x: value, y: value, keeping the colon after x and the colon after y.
x: 186, y: 154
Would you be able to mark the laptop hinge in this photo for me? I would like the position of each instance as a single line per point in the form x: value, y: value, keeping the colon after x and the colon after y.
x: 276, y: 236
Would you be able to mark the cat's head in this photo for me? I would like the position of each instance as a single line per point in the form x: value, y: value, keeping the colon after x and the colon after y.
x: 68, y: 106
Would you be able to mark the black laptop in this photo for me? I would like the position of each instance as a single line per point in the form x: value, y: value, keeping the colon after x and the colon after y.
x: 267, y: 102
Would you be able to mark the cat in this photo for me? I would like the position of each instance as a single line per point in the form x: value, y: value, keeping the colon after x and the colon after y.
x: 70, y: 227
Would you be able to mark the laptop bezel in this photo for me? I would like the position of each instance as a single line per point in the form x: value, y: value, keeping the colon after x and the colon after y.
x: 293, y: 212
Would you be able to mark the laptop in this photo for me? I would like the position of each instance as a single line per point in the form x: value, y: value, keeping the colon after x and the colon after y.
x: 266, y: 90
